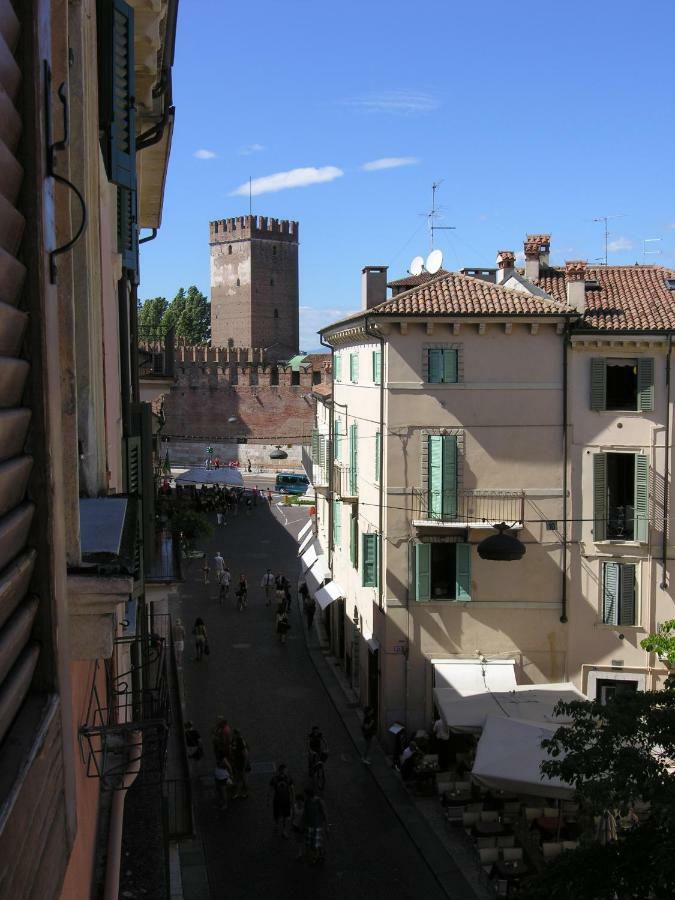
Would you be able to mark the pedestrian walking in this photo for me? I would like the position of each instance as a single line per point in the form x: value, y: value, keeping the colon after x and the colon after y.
x: 283, y: 625
x: 222, y: 775
x: 314, y: 822
x: 242, y: 592
x: 225, y: 581
x: 239, y: 759
x: 297, y: 815
x: 267, y: 585
x: 201, y: 639
x: 368, y: 729
x: 249, y: 506
x: 220, y: 512
x: 193, y: 742
x: 218, y: 566
x: 206, y: 569
x: 269, y: 496
x: 216, y: 462
x: 309, y: 609
x: 221, y: 738
x: 281, y: 787
x: 179, y: 641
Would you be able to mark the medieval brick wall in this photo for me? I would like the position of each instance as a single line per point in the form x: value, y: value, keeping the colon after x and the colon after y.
x: 254, y: 284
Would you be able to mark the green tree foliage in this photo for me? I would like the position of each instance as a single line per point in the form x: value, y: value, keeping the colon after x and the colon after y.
x: 616, y: 755
x: 188, y: 314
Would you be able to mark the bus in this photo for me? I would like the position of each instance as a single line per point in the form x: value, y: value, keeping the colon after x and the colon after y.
x: 291, y: 483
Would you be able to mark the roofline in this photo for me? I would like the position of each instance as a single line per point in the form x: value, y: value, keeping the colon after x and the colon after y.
x: 562, y: 314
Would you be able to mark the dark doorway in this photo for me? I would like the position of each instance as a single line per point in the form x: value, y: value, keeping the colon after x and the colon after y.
x: 610, y: 689
x: 374, y: 681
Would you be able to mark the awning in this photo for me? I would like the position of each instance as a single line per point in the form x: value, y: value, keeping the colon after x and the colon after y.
x: 531, y: 702
x: 471, y: 676
x: 310, y: 556
x: 305, y: 528
x: 509, y: 757
x: 373, y: 645
x: 306, y: 541
x: 317, y: 574
x: 329, y: 593
x: 225, y: 475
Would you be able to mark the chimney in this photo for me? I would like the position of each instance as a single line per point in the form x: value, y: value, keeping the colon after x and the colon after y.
x: 575, y: 279
x: 506, y: 265
x: 537, y: 248
x: 373, y: 286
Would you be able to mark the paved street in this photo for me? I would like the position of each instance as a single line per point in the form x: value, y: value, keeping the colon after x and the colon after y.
x: 272, y: 693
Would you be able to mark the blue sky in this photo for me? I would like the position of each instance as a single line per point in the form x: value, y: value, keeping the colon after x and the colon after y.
x: 536, y: 117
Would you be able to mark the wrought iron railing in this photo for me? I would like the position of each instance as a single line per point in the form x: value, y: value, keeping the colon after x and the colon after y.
x: 471, y: 507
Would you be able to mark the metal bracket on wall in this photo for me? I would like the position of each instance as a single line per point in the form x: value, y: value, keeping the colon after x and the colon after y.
x: 52, y: 148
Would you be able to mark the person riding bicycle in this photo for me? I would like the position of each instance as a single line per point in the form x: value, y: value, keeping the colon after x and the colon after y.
x: 242, y: 592
x: 224, y: 580
x: 317, y: 749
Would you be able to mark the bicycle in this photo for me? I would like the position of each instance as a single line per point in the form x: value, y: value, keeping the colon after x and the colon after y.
x: 242, y: 600
x: 223, y: 592
x: 317, y: 772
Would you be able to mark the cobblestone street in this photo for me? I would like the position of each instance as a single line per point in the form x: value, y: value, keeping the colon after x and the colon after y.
x: 274, y: 695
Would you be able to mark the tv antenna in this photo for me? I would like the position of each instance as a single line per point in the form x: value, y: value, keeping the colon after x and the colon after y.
x: 646, y: 252
x: 434, y: 214
x: 607, y: 219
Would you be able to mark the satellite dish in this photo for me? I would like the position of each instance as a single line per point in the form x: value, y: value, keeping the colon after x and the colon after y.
x: 434, y: 261
x: 417, y: 266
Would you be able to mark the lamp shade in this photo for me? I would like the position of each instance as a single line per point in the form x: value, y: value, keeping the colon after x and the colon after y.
x: 278, y: 453
x: 501, y: 547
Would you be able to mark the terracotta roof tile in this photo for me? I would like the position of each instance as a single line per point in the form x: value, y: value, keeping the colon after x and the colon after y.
x: 629, y: 298
x: 456, y: 294
x: 411, y: 281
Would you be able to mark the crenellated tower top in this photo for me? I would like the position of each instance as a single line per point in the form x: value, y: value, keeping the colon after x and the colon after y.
x: 246, y: 228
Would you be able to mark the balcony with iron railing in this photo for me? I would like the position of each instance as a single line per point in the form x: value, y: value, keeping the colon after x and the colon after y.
x: 316, y: 466
x: 467, y: 509
x: 345, y: 482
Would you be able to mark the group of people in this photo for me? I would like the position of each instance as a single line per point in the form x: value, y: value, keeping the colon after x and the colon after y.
x: 231, y: 754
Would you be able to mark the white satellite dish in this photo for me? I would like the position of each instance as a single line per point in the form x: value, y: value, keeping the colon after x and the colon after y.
x: 434, y: 261
x: 417, y: 266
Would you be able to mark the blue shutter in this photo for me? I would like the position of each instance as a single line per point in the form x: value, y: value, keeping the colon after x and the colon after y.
x: 450, y: 367
x: 641, y: 498
x: 422, y: 572
x: 645, y: 382
x: 117, y: 113
x: 127, y: 227
x: 627, y: 595
x: 435, y: 358
x: 337, y: 367
x: 435, y: 476
x: 599, y: 497
x: 377, y: 366
x: 369, y: 568
x: 449, y: 477
x: 610, y: 593
x: 598, y: 383
x: 463, y: 571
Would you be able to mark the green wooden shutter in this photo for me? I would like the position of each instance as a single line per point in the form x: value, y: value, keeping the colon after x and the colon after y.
x: 353, y: 459
x: 627, y: 595
x: 354, y: 367
x: 450, y: 367
x: 435, y: 476
x: 369, y: 567
x: 377, y: 366
x: 435, y: 359
x: 463, y: 572
x: 641, y: 498
x: 134, y: 484
x: 127, y: 227
x: 354, y: 541
x: 378, y: 444
x: 422, y: 572
x: 337, y: 364
x: 337, y: 440
x: 645, y: 381
x: 598, y: 383
x: 322, y: 450
x: 610, y: 593
x: 449, y: 476
x: 315, y: 445
x: 600, y: 496
x: 337, y: 522
x: 117, y: 105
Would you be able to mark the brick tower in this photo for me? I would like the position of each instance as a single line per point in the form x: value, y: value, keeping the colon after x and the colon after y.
x: 254, y: 284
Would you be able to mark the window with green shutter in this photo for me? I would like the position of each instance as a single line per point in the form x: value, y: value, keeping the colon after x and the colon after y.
x: 127, y: 227
x: 315, y: 445
x: 117, y: 112
x: 621, y: 497
x: 354, y: 367
x: 619, y: 593
x: 353, y: 459
x: 337, y: 440
x: 369, y: 560
x: 442, y: 366
x: 377, y: 366
x: 378, y: 448
x: 622, y: 383
x: 337, y: 523
x: 337, y: 367
x: 442, y: 572
x: 442, y: 476
x: 354, y: 541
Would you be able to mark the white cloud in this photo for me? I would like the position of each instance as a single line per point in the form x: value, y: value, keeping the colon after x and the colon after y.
x: 619, y: 244
x: 399, y: 103
x: 281, y: 181
x: 204, y: 154
x: 252, y: 148
x: 389, y: 162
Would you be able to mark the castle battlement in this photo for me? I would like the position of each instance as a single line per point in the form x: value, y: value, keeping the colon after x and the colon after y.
x: 244, y: 228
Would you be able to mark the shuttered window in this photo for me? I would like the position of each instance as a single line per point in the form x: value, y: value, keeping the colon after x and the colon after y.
x: 315, y: 445
x: 353, y: 459
x: 619, y: 594
x: 337, y: 367
x: 127, y: 227
x: 622, y: 384
x: 117, y: 112
x: 18, y: 653
x: 620, y: 507
x: 442, y: 476
x: 369, y: 558
x: 134, y: 482
x: 442, y: 366
x: 354, y: 367
x: 442, y: 572
x: 337, y: 523
x: 354, y: 541
x: 337, y: 440
x: 377, y: 366
x: 378, y: 446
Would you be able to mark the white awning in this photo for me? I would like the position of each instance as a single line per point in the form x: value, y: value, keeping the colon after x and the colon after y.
x: 471, y: 676
x: 531, y: 702
x: 310, y: 556
x: 306, y: 541
x: 317, y: 574
x: 509, y: 756
x: 373, y: 645
x: 329, y: 593
x: 305, y: 528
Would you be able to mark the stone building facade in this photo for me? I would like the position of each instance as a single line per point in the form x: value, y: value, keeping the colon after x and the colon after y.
x: 254, y: 284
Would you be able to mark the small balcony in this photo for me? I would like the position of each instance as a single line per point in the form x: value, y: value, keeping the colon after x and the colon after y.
x: 316, y: 469
x: 345, y: 482
x: 468, y: 509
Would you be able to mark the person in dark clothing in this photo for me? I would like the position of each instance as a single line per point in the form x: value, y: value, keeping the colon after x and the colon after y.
x: 281, y: 786
x: 309, y: 608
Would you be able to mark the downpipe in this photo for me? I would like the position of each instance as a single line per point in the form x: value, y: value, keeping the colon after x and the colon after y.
x: 113, y: 863
x: 666, y: 472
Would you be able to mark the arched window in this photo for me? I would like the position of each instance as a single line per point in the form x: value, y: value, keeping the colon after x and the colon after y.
x: 276, y: 313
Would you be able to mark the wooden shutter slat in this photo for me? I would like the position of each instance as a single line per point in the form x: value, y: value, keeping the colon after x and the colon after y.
x: 14, y: 635
x: 10, y: 121
x: 13, y: 691
x: 422, y: 572
x: 435, y: 475
x: 641, y: 497
x: 627, y: 595
x: 449, y: 479
x: 10, y: 73
x: 12, y: 276
x: 12, y: 225
x: 450, y: 366
x: 599, y: 497
x: 14, y: 529
x: 610, y: 593
x: 598, y: 383
x: 463, y: 571
x: 645, y: 378
x: 13, y: 429
x: 13, y: 482
x: 14, y: 583
x: 13, y: 324
x: 11, y: 173
x: 13, y: 374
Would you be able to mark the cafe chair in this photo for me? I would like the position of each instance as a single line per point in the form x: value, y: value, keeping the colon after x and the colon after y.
x: 552, y: 849
x: 506, y: 840
x: 512, y: 854
x: 483, y: 842
x: 488, y: 857
x: 490, y: 815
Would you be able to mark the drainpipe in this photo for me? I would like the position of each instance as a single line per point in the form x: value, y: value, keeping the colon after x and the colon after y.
x: 331, y: 431
x: 112, y: 871
x: 380, y: 555
x: 563, y: 600
x: 666, y: 492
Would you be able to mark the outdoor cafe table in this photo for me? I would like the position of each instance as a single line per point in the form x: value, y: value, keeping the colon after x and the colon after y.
x: 489, y: 829
x: 428, y: 765
x: 511, y: 868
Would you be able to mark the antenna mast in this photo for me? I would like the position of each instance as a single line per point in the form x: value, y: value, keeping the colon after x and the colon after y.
x: 434, y: 214
x: 606, y: 219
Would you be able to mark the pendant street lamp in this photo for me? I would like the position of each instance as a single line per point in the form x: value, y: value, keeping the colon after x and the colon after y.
x: 278, y: 453
x: 501, y: 547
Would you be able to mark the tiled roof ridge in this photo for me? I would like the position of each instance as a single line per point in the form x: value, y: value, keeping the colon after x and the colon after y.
x: 427, y: 276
